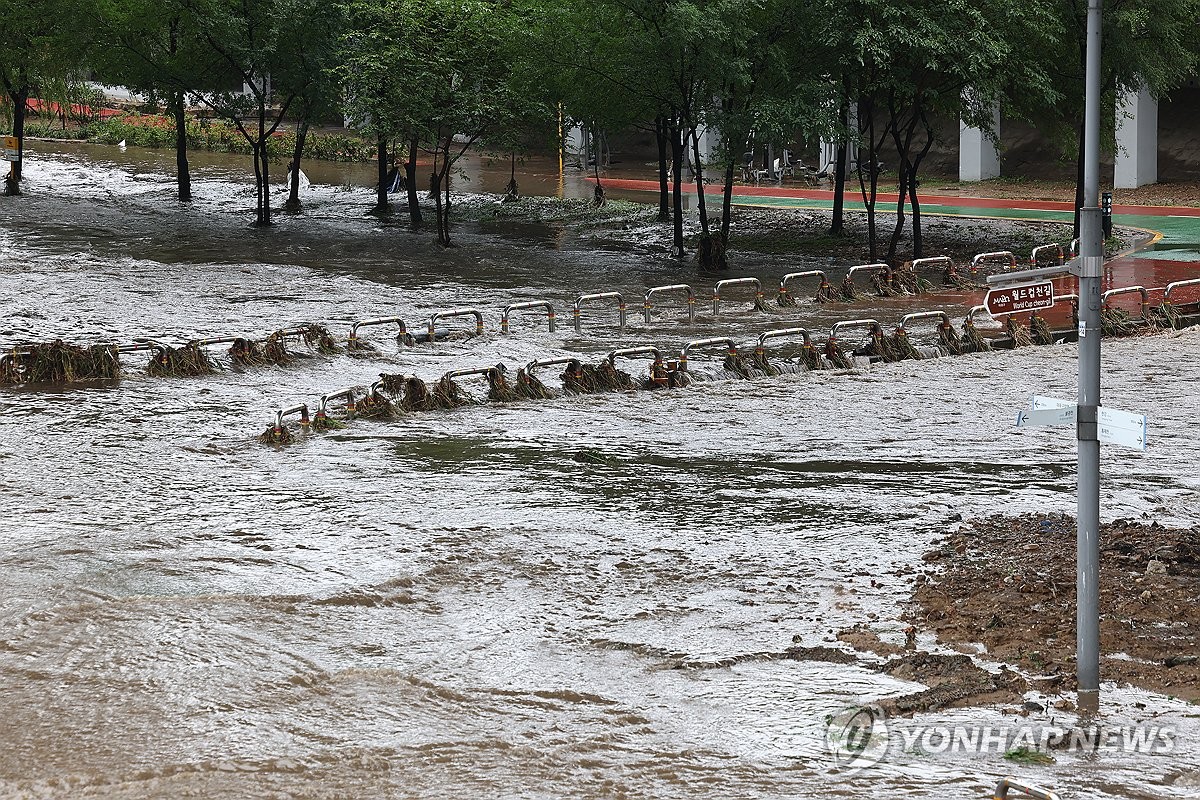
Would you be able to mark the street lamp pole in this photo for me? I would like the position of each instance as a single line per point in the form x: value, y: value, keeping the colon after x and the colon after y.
x: 1091, y: 266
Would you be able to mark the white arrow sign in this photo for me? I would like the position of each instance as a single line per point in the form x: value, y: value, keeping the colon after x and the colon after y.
x: 1040, y: 402
x: 1121, y: 427
x: 1046, y: 416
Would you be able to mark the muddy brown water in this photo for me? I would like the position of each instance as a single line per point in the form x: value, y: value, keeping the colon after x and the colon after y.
x: 488, y: 601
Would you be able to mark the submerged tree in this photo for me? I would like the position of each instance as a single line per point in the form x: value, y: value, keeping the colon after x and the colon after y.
x: 263, y: 43
x: 37, y: 46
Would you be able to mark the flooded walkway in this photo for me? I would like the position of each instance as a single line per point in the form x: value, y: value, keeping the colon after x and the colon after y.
x: 577, y: 598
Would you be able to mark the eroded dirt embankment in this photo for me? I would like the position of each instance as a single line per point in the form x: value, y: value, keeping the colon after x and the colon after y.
x: 1009, y: 584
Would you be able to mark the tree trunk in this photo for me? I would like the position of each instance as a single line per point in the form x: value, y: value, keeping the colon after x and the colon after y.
x: 901, y: 198
x: 293, y: 204
x: 410, y: 173
x: 12, y: 181
x: 870, y: 191
x: 183, y: 175
x: 837, y: 225
x: 727, y: 201
x: 712, y: 254
x: 677, y: 189
x: 914, y: 184
x: 664, y: 202
x: 446, y: 181
x: 381, y: 163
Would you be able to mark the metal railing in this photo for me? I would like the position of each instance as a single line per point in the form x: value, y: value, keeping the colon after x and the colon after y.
x: 874, y: 325
x: 139, y: 347
x: 576, y: 307
x: 641, y: 350
x: 887, y: 268
x: 761, y: 348
x: 674, y: 287
x: 1140, y: 290
x: 462, y: 373
x: 791, y: 276
x: 348, y: 394
x: 1007, y: 785
x: 993, y: 256
x: 716, y: 295
x: 687, y: 348
x: 456, y: 312
x: 550, y: 362
x: 299, y: 408
x: 546, y: 304
x: 945, y: 261
x: 942, y: 315
x: 1177, y: 284
x: 352, y: 342
x: 211, y: 340
x: 967, y: 320
x: 1058, y: 253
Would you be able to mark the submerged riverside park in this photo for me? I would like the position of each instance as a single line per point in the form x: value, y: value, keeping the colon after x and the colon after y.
x: 664, y: 593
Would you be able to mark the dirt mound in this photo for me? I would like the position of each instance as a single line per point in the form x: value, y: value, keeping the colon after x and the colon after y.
x: 1009, y: 583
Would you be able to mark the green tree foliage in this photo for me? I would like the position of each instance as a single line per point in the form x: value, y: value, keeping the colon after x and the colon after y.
x: 1151, y: 43
x: 442, y: 74
x: 263, y: 45
x: 37, y: 48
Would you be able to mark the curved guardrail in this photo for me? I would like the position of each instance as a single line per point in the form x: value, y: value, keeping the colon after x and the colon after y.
x: 1177, y: 284
x: 456, y: 312
x: 1055, y: 246
x: 577, y: 307
x: 874, y: 326
x: 347, y: 394
x: 640, y: 350
x: 546, y: 304
x: 1007, y: 785
x: 674, y: 287
x: 779, y: 333
x: 996, y: 255
x: 941, y: 315
x: 791, y: 276
x: 352, y: 342
x: 549, y: 362
x: 687, y: 348
x: 282, y: 413
x: 716, y: 295
x: 1104, y: 298
x: 945, y: 261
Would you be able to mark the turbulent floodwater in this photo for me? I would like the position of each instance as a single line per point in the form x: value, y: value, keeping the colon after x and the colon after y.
x: 488, y: 602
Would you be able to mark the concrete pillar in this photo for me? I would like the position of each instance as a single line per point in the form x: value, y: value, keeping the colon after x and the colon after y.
x: 575, y: 146
x: 978, y: 157
x: 1137, y: 140
x: 829, y: 147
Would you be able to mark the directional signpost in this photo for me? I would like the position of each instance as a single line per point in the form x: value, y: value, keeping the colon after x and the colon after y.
x: 1025, y: 297
x: 1114, y: 427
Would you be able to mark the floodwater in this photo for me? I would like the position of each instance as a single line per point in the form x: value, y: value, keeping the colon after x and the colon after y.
x: 491, y: 601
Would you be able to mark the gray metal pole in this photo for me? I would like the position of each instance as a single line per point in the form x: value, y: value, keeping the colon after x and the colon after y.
x: 1091, y: 250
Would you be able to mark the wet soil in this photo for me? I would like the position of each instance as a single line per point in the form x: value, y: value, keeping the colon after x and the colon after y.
x: 1174, y: 193
x: 1008, y: 583
x: 786, y: 231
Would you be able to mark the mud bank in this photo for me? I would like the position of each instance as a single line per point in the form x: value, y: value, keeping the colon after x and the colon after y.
x: 1008, y: 584
x: 633, y: 225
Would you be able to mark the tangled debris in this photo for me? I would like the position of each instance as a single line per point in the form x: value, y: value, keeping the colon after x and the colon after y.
x: 272, y: 350
x: 58, y: 362
x: 1039, y: 330
x: 188, y: 360
x: 1020, y: 336
x: 1003, y: 582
